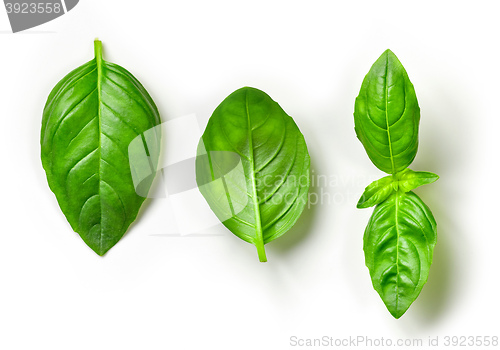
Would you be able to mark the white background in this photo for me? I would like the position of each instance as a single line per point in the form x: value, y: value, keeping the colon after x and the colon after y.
x: 154, y: 291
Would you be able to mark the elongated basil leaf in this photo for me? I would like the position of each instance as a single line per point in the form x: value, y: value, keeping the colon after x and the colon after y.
x: 409, y: 179
x: 405, y: 181
x: 253, y: 167
x: 386, y: 115
x: 398, y: 243
x: 90, y: 118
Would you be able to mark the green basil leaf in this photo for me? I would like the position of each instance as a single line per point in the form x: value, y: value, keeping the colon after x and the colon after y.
x: 405, y: 181
x: 90, y: 118
x: 409, y: 179
x: 398, y: 243
x: 387, y: 115
x: 253, y: 167
x: 376, y: 192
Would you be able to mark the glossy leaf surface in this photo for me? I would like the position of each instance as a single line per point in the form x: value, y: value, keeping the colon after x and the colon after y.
x: 253, y: 167
x: 387, y: 115
x: 90, y: 118
x: 398, y: 243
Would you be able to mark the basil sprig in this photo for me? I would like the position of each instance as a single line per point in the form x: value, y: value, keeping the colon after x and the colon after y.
x: 401, y: 234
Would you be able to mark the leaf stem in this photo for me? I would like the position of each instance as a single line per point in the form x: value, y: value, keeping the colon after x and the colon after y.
x: 261, y: 251
x: 98, y: 51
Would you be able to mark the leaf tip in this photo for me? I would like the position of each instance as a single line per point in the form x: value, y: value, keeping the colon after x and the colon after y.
x: 389, y: 58
x: 100, y: 251
x: 361, y: 203
x: 397, y: 312
x: 397, y: 316
x: 388, y: 52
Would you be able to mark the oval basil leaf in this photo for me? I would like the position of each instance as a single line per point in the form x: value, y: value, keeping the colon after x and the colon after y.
x: 398, y: 243
x: 386, y: 115
x: 253, y: 167
x: 90, y: 118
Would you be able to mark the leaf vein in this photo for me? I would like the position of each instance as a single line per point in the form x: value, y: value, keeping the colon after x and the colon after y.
x: 71, y: 141
x: 81, y: 160
x: 66, y: 115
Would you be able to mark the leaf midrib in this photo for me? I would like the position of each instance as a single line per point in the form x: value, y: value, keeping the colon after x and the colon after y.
x: 397, y: 248
x: 387, y: 112
x: 98, y: 58
x: 259, y: 239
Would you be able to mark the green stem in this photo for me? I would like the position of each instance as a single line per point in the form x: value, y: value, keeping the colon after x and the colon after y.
x: 98, y: 51
x: 261, y: 251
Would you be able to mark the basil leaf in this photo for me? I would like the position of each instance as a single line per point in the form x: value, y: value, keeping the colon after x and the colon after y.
x: 253, y: 167
x: 407, y: 180
x: 387, y: 115
x: 376, y: 192
x: 90, y: 118
x: 398, y: 243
